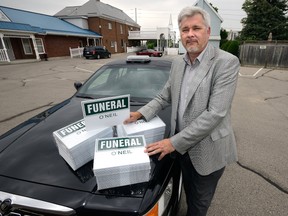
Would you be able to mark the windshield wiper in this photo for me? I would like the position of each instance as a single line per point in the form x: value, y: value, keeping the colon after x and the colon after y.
x: 85, y: 96
x: 136, y: 102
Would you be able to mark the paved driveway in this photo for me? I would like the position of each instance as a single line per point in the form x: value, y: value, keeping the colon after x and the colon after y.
x: 257, y: 185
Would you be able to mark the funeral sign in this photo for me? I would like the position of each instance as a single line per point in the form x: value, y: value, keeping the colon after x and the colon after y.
x: 105, y: 112
x: 120, y: 143
x: 117, y: 151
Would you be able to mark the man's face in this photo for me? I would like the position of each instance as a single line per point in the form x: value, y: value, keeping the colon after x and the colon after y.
x: 194, y: 34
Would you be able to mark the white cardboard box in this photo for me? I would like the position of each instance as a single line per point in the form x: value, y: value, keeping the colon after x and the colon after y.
x: 76, y: 145
x: 152, y: 130
x: 120, y: 161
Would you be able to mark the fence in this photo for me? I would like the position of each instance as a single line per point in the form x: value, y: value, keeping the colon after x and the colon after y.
x: 264, y: 54
x: 3, y: 56
x: 76, y: 52
x: 134, y: 48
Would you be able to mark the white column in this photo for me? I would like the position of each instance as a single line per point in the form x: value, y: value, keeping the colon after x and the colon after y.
x: 35, y: 47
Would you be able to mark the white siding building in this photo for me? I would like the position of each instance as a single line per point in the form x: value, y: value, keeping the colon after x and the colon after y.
x: 216, y: 21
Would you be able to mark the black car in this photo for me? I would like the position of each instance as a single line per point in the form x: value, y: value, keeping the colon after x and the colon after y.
x: 36, y: 180
x: 96, y: 52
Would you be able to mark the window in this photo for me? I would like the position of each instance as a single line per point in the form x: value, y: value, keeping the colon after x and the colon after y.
x: 121, y: 29
x: 3, y: 17
x: 112, y: 43
x: 27, y: 46
x: 39, y: 44
x: 109, y: 26
x: 122, y: 43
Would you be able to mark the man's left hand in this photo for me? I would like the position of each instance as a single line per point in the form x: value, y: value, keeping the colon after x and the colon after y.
x: 163, y: 147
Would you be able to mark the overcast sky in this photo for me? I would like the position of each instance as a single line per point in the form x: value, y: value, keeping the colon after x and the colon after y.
x: 150, y: 13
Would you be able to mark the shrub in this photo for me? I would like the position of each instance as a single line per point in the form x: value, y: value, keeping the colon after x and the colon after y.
x: 233, y: 48
x: 225, y: 45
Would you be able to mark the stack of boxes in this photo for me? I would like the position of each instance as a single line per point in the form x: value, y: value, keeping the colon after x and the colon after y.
x: 76, y: 144
x: 153, y: 130
x: 118, y: 161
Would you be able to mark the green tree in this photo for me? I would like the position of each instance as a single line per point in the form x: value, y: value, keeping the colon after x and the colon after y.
x: 151, y: 44
x: 224, y: 36
x: 263, y: 17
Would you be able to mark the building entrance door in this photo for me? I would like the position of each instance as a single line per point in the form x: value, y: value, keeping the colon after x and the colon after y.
x: 9, y: 48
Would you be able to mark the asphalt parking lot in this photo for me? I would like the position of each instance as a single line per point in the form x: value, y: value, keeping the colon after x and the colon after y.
x: 256, y: 185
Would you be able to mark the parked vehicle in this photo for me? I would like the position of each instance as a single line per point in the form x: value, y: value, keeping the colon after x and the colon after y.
x: 150, y: 52
x: 36, y: 180
x: 96, y: 52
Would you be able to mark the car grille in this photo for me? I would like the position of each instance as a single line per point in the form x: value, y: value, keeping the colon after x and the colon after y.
x: 15, y: 205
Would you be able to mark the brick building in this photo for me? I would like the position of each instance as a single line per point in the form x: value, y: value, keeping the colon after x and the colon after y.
x: 29, y: 35
x: 110, y: 22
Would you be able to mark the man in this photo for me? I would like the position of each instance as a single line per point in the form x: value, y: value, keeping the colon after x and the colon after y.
x: 200, y: 89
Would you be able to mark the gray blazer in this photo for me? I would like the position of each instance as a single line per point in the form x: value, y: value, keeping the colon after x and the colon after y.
x: 208, y: 136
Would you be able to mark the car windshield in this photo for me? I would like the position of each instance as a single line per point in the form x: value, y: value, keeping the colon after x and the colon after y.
x: 141, y: 81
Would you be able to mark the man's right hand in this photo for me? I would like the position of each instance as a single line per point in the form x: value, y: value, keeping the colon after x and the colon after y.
x: 134, y: 116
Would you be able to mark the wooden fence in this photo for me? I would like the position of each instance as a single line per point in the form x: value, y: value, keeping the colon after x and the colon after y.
x: 271, y: 55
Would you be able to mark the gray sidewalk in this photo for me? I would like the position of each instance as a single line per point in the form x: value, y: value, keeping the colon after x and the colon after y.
x: 257, y: 185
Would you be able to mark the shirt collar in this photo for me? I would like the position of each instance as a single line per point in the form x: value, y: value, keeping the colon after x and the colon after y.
x: 199, y: 58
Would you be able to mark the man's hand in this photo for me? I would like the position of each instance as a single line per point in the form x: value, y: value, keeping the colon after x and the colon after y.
x: 163, y: 147
x: 134, y: 116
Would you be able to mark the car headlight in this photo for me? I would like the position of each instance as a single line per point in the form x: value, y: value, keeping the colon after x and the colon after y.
x: 12, y: 204
x: 159, y: 208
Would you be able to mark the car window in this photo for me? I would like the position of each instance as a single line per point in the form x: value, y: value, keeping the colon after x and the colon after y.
x: 89, y: 48
x: 139, y: 82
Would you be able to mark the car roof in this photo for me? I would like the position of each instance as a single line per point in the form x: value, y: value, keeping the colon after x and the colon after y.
x: 152, y: 61
x: 93, y: 47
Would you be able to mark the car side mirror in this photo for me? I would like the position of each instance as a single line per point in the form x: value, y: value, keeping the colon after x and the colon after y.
x: 77, y: 85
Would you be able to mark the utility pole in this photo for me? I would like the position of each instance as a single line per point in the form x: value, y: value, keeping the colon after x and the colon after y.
x: 136, y: 15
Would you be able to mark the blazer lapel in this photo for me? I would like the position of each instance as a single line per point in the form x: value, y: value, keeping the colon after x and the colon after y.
x: 201, y: 72
x: 178, y: 79
x: 177, y: 76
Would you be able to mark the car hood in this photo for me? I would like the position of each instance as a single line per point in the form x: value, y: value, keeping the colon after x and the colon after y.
x: 33, y: 155
x: 29, y: 153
